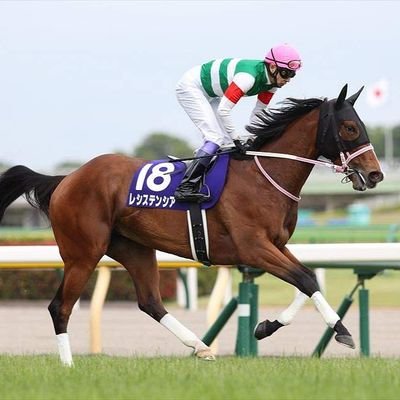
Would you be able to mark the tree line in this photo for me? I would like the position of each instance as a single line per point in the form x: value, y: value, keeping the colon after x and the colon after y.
x: 157, y: 145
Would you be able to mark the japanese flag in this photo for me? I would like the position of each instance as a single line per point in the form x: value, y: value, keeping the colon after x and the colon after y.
x: 377, y: 93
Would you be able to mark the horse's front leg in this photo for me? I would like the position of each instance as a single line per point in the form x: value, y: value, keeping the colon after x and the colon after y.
x: 285, y: 266
x: 141, y: 264
x: 267, y: 328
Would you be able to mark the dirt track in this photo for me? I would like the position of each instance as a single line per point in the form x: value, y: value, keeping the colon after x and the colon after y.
x: 25, y: 327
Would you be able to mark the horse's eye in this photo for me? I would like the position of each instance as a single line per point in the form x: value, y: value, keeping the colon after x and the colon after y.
x: 349, y: 130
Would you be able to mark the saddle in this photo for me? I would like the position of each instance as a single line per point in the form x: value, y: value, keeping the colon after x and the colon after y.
x: 154, y: 184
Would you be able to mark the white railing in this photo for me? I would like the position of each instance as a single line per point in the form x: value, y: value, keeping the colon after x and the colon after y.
x: 48, y: 256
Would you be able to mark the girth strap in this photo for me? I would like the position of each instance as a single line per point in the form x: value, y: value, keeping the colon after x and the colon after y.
x: 198, y: 233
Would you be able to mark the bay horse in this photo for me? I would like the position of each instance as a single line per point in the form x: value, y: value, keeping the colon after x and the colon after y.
x: 251, y: 223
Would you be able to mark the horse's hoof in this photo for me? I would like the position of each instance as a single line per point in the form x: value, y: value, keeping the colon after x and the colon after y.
x: 346, y: 340
x: 260, y: 329
x: 266, y: 328
x: 205, y: 355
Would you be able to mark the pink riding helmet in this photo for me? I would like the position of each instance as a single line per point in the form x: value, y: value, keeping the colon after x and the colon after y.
x: 284, y: 56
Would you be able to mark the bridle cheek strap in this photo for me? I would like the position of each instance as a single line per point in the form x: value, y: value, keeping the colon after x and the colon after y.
x: 344, y: 168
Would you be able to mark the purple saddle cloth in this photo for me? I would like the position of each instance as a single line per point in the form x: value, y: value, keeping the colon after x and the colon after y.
x: 154, y: 184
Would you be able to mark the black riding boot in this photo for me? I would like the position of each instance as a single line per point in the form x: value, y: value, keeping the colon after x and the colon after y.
x: 189, y: 188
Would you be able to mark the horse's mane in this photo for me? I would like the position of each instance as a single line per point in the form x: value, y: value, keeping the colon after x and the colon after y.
x: 272, y: 123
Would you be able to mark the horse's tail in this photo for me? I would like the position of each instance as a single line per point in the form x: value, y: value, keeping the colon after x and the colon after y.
x: 37, y: 188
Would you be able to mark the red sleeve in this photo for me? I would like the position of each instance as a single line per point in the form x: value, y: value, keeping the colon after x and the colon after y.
x: 233, y: 93
x: 265, y: 97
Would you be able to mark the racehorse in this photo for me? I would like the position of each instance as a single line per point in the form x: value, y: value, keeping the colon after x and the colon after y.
x: 251, y: 223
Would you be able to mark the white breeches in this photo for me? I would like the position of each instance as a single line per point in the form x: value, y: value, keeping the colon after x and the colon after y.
x: 201, y: 108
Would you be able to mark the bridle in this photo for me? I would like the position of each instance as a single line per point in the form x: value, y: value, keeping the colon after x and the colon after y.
x: 328, y: 123
x: 344, y: 168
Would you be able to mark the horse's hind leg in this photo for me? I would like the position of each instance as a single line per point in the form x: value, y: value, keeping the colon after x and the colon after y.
x: 76, y: 275
x: 141, y: 264
x: 81, y: 248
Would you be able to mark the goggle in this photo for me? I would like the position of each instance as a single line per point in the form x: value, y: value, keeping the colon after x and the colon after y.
x: 294, y: 64
x: 286, y: 73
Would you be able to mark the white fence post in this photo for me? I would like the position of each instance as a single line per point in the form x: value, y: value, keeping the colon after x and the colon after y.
x: 191, y: 287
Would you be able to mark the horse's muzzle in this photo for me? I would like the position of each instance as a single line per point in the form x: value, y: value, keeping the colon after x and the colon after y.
x: 366, y: 180
x: 374, y: 178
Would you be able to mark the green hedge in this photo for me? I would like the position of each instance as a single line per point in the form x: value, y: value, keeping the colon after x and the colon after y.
x: 347, y: 234
x: 42, y: 285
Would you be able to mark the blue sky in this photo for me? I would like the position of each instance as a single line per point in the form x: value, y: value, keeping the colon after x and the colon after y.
x: 82, y: 78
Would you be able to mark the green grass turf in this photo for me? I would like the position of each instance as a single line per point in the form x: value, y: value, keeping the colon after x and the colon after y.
x: 102, y: 377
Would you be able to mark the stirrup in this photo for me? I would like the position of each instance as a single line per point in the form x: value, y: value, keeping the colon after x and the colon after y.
x: 188, y: 192
x: 191, y: 197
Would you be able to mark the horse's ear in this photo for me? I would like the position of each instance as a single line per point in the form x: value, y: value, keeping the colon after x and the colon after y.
x: 342, y: 97
x: 352, y: 99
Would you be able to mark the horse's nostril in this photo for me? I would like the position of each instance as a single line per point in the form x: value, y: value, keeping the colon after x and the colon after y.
x: 375, y: 176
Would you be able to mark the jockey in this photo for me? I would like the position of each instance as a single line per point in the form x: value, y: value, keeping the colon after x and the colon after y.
x: 208, y: 93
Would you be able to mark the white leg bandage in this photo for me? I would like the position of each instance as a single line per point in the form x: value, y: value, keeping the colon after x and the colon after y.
x: 286, y: 316
x: 186, y: 336
x: 325, y: 309
x: 64, y: 349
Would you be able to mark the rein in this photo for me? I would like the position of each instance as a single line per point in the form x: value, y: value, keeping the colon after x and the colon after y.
x: 345, y: 158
